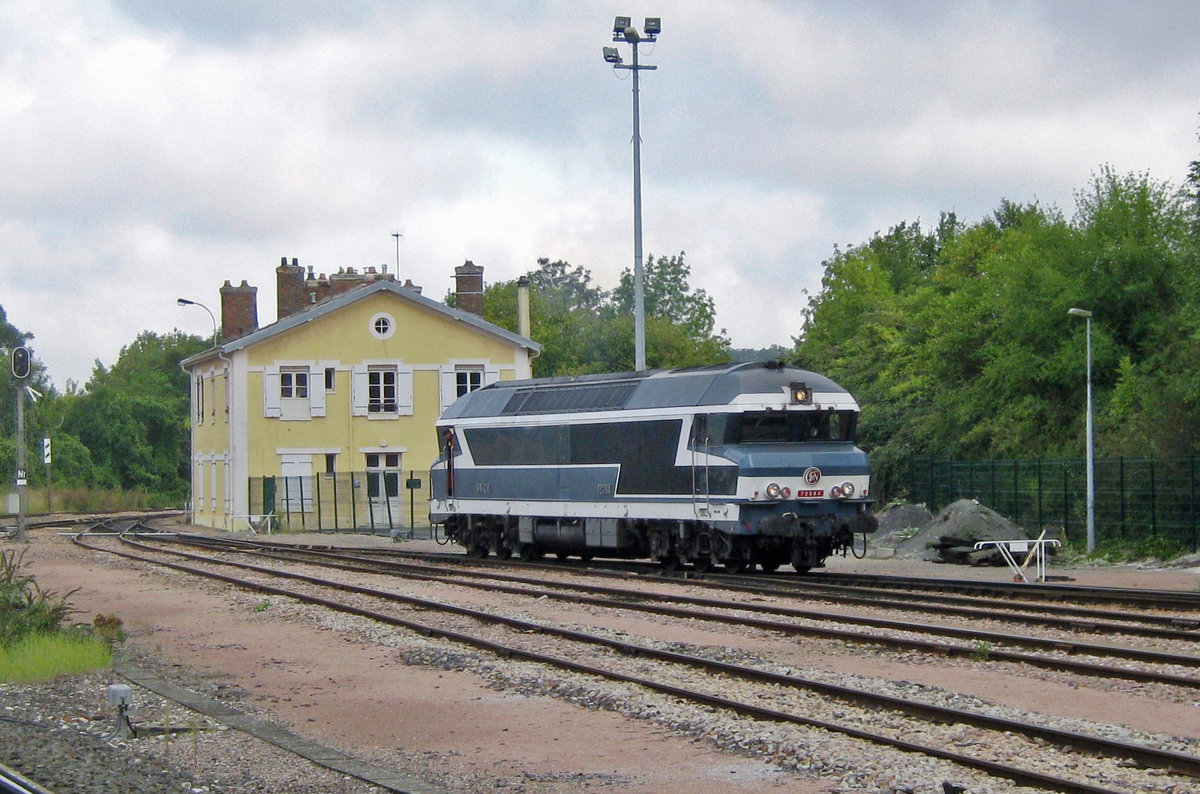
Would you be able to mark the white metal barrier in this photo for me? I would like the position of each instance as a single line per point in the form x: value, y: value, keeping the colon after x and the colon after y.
x: 1030, y: 548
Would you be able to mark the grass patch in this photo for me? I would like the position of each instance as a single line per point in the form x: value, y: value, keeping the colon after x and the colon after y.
x: 41, y: 657
x: 34, y: 645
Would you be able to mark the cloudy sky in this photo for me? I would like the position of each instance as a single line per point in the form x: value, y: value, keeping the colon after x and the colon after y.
x: 153, y: 150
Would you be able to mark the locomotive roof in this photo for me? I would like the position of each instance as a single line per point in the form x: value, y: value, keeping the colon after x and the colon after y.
x: 717, y: 384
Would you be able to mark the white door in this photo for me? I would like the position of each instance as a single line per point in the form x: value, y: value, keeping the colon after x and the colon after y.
x: 384, y: 503
x: 294, y: 494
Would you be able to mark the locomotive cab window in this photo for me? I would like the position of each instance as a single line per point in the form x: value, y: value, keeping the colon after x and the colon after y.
x: 774, y: 427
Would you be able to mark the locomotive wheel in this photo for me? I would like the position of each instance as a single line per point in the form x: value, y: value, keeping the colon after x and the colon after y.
x: 562, y: 556
x: 770, y: 567
x: 503, y: 553
x: 585, y: 558
x: 738, y: 565
x: 669, y: 564
x: 529, y: 552
x: 702, y: 564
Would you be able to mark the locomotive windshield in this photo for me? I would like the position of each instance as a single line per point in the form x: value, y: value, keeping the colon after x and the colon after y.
x: 775, y: 427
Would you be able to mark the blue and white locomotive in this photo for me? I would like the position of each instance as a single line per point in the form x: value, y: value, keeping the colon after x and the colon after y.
x: 736, y: 465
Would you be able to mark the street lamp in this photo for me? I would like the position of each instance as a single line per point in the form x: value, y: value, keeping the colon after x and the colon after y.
x: 186, y: 302
x: 1091, y: 450
x: 623, y: 30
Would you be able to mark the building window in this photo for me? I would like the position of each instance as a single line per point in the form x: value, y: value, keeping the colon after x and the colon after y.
x: 329, y: 376
x: 293, y: 384
x: 199, y: 400
x: 467, y: 379
x: 381, y: 390
x: 382, y: 326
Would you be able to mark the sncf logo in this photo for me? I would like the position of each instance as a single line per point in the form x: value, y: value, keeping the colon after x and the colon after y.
x: 812, y: 475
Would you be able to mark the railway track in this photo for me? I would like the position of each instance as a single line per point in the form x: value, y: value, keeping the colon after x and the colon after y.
x: 1065, y: 596
x: 904, y: 634
x: 1152, y: 624
x: 620, y: 651
x: 13, y: 782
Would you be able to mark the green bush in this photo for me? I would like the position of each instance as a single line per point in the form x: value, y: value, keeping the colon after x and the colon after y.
x: 25, y: 608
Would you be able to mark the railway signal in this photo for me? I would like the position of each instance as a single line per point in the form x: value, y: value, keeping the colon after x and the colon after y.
x: 20, y: 362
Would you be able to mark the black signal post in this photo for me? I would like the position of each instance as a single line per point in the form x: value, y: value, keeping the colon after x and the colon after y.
x: 20, y: 370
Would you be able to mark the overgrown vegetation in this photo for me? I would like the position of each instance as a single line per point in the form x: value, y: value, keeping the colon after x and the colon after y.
x: 34, y: 645
x: 956, y: 340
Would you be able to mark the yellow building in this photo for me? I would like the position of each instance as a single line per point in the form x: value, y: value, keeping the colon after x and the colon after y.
x: 325, y: 418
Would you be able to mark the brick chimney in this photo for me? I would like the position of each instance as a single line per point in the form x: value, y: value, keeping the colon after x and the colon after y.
x: 239, y: 310
x: 468, y: 289
x: 290, y: 295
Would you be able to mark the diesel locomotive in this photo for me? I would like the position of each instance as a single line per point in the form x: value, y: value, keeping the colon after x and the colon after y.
x: 738, y: 465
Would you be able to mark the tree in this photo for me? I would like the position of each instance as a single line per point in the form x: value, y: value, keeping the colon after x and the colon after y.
x: 584, y: 329
x: 133, y: 418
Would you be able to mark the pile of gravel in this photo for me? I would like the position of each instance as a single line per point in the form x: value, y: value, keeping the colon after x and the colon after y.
x: 949, y: 537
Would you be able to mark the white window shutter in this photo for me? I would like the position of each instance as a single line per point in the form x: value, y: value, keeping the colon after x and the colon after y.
x: 271, y: 407
x: 359, y: 392
x: 491, y: 374
x: 447, y: 387
x: 316, y: 390
x: 404, y: 391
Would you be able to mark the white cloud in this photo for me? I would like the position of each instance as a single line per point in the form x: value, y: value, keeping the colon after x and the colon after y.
x: 154, y: 151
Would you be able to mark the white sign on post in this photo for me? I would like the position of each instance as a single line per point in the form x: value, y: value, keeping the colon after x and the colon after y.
x: 46, y: 451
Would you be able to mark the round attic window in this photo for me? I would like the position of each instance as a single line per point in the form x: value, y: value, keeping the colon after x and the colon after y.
x: 382, y: 326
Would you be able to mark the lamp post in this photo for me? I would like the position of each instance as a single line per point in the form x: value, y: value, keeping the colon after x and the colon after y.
x: 1091, y: 449
x: 186, y: 302
x: 623, y: 30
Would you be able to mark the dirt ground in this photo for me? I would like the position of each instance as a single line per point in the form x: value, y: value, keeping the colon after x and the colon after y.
x: 350, y: 695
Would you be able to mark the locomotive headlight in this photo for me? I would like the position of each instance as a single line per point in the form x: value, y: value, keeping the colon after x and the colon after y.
x: 773, y: 491
x: 845, y: 490
x: 800, y: 393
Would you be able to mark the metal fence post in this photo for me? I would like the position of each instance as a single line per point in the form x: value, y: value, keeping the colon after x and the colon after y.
x: 317, y: 501
x: 1192, y: 500
x: 1041, y: 522
x: 1153, y: 503
x: 1121, y: 486
x: 1066, y: 499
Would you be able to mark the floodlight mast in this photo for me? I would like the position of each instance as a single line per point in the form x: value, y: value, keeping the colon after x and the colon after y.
x: 1090, y: 452
x: 623, y: 30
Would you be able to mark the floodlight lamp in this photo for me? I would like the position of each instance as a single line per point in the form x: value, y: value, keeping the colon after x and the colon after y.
x: 653, y: 26
x: 631, y: 35
x: 612, y: 55
x: 1079, y: 312
x: 620, y: 24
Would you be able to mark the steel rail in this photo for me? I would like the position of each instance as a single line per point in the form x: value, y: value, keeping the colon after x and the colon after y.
x: 1155, y: 599
x: 1159, y: 626
x: 971, y: 635
x: 13, y: 782
x: 1167, y: 759
x: 1188, y: 627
